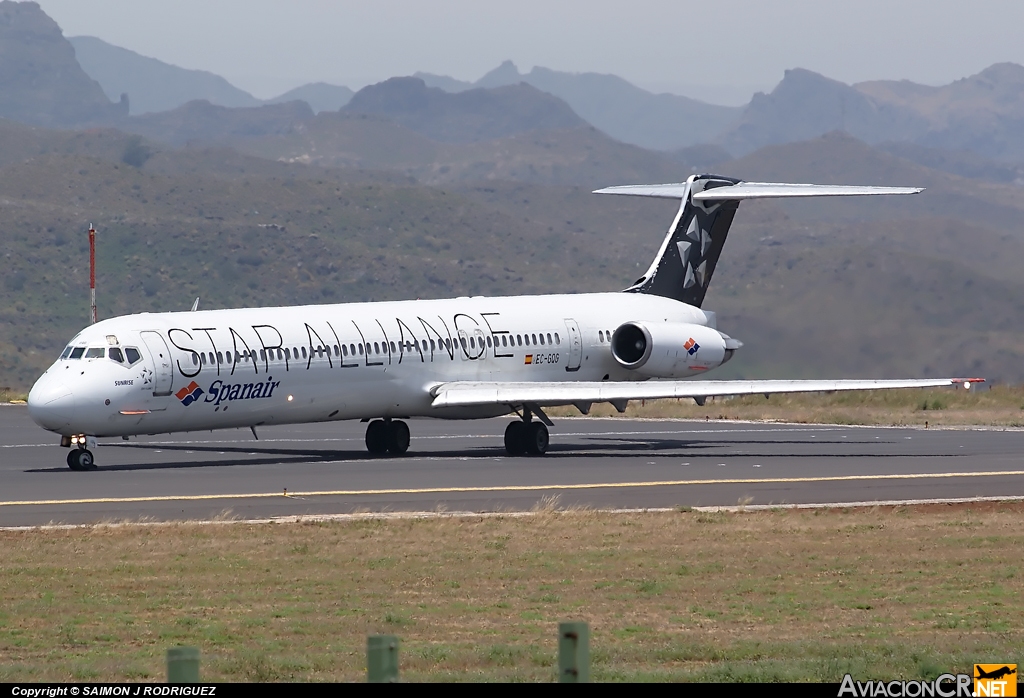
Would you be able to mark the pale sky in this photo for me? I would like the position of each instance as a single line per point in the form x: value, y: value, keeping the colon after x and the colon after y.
x: 720, y: 51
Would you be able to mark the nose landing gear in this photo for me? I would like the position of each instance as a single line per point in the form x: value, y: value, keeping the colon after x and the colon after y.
x: 81, y: 459
x: 387, y: 436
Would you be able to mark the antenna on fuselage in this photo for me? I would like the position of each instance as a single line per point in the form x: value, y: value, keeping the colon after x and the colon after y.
x: 92, y: 273
x: 195, y: 305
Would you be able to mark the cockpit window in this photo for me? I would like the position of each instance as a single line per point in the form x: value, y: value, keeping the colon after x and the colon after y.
x: 115, y: 354
x: 67, y: 352
x: 95, y: 353
x: 132, y: 354
x: 77, y: 352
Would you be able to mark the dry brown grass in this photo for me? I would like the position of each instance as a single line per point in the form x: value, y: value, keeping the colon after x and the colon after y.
x: 1000, y: 406
x: 11, y: 395
x: 791, y: 595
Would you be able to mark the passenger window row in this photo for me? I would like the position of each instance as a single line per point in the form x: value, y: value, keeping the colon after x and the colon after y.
x: 130, y: 355
x: 526, y: 340
x: 368, y: 349
x: 294, y: 353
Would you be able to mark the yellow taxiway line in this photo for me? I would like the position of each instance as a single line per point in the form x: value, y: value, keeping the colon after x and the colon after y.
x: 512, y: 488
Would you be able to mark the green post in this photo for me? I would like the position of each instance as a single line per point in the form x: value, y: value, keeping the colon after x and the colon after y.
x: 382, y: 659
x: 573, y: 653
x: 183, y: 665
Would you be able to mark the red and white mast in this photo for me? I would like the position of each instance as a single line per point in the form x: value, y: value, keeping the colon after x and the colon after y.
x: 92, y: 272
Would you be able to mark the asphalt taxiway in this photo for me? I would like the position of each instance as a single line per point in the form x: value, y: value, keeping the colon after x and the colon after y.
x: 602, y: 463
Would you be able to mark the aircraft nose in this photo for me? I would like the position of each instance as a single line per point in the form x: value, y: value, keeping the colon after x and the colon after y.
x: 51, y: 404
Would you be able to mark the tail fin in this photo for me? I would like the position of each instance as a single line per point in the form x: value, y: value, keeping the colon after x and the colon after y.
x: 688, y: 256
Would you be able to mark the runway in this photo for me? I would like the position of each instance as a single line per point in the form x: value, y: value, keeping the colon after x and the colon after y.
x: 604, y: 463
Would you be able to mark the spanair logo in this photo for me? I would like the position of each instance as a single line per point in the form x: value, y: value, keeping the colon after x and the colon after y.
x: 995, y: 679
x: 691, y: 346
x: 189, y: 393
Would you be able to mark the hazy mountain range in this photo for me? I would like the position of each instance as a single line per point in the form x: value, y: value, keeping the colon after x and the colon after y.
x: 155, y: 86
x: 981, y: 114
x: 466, y: 117
x: 40, y: 81
x: 620, y: 109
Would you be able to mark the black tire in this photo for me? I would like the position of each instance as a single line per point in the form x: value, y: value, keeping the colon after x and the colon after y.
x: 515, y: 438
x: 377, y: 437
x: 398, y: 437
x: 537, y: 439
x: 81, y: 459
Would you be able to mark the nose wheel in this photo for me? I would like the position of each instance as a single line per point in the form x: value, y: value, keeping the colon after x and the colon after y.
x: 387, y: 436
x: 81, y: 459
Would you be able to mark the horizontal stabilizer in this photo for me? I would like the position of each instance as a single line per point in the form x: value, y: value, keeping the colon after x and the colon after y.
x: 752, y: 190
x: 770, y: 190
x: 466, y: 393
x: 690, y: 250
x: 657, y: 191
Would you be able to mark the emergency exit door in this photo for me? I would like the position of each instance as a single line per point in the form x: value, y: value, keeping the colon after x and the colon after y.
x: 575, y: 345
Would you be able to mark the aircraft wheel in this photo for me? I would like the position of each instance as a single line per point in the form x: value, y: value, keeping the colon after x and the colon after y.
x: 515, y: 438
x: 536, y: 438
x: 377, y: 437
x: 80, y: 459
x: 398, y: 437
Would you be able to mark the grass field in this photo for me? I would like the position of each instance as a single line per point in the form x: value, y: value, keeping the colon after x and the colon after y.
x: 769, y: 595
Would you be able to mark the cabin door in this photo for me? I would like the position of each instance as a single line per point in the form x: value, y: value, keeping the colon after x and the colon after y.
x: 159, y: 362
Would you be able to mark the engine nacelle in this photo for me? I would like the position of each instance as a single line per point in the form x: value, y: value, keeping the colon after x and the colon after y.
x: 670, y: 349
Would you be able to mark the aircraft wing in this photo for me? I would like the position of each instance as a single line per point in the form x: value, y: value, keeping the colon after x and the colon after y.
x: 468, y: 393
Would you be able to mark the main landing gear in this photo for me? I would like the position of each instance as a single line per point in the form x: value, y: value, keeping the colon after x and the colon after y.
x: 387, y: 436
x: 525, y: 436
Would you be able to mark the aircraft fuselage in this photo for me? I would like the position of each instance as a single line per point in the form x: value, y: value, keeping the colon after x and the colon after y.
x: 248, y: 367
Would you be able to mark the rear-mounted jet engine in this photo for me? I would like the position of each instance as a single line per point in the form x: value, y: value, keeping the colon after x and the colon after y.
x: 670, y: 349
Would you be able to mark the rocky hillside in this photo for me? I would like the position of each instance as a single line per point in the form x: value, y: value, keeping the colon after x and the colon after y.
x: 620, y: 109
x: 41, y: 83
x: 466, y: 117
x: 152, y: 85
x: 982, y: 114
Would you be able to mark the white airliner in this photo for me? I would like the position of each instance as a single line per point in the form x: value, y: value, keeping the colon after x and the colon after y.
x: 460, y: 358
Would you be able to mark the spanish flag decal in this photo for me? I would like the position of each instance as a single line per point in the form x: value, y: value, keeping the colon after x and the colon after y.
x: 529, y: 358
